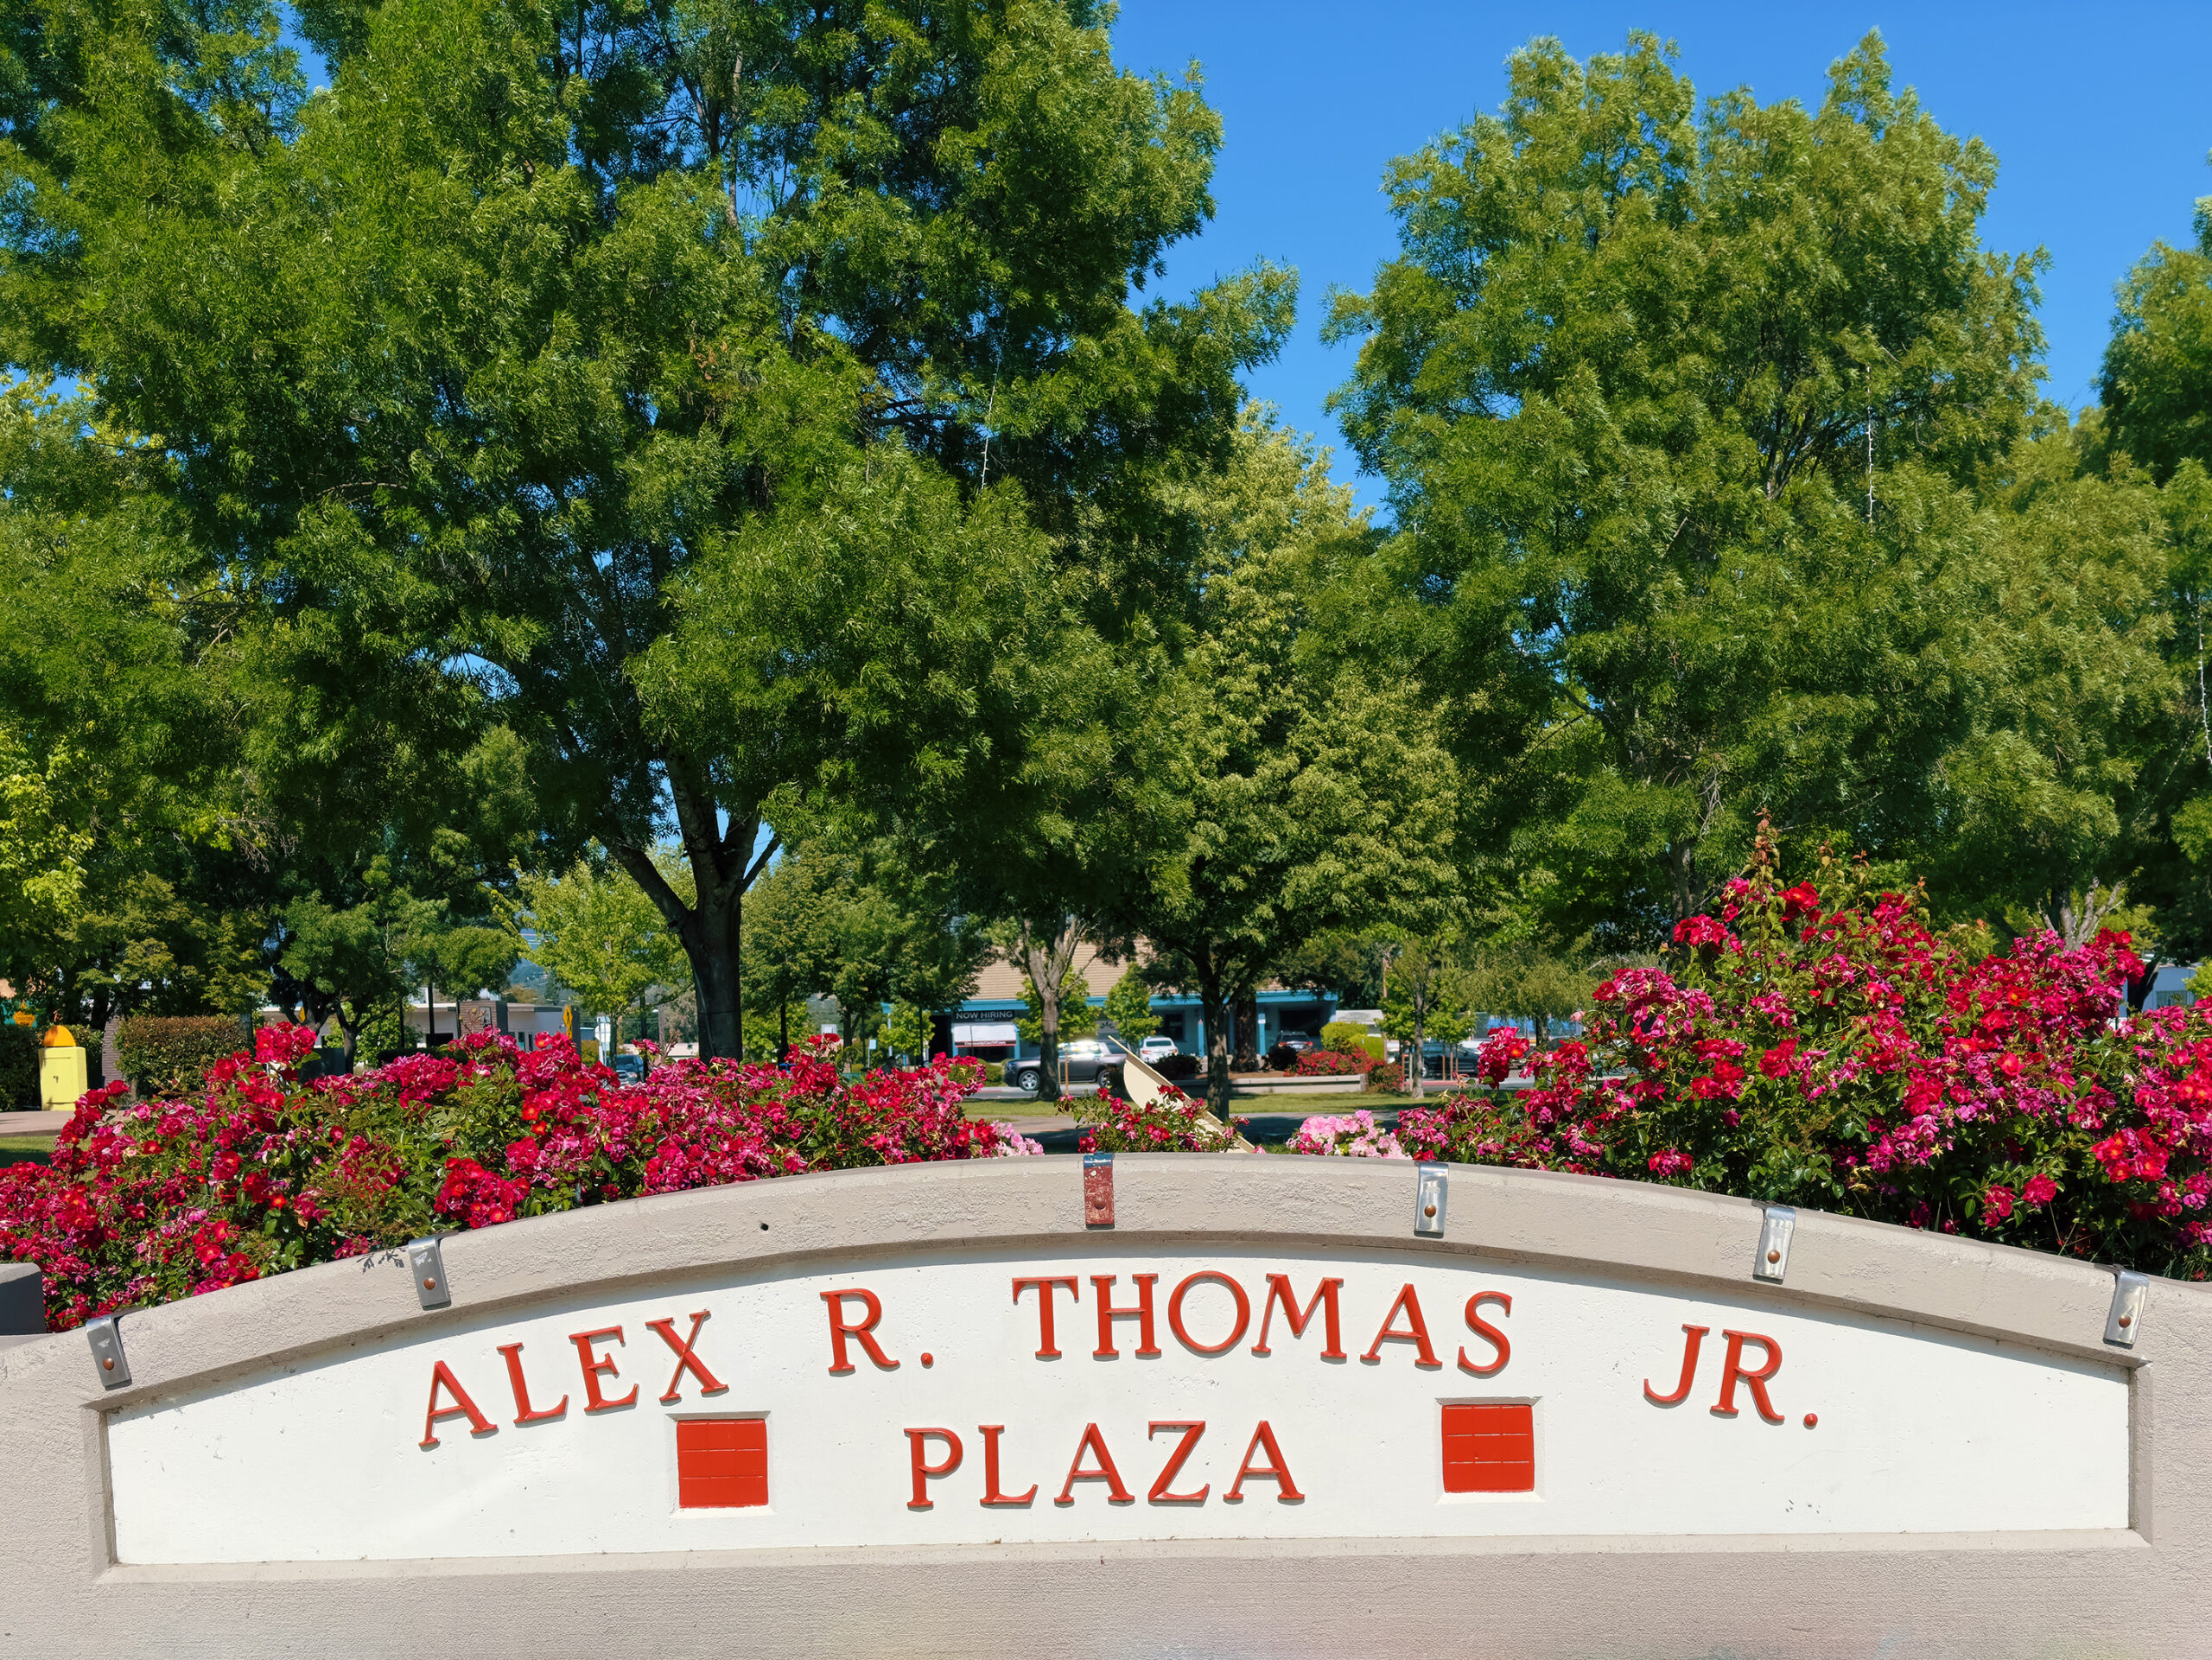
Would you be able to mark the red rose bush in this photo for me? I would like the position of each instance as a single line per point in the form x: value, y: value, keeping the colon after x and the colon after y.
x: 259, y: 1173
x: 1821, y: 1045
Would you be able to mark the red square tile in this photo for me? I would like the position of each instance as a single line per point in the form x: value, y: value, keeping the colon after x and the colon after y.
x: 1490, y: 1449
x: 722, y: 1463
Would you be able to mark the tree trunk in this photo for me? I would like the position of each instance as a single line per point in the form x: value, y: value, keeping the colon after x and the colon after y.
x: 1213, y: 1008
x: 1420, y: 1063
x: 1248, y: 1032
x: 784, y: 1033
x: 709, y: 934
x: 720, y: 849
x: 1047, y: 959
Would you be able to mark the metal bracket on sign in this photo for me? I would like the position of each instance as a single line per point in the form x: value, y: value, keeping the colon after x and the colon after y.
x: 1429, y: 1192
x: 428, y: 1264
x: 106, y: 1339
x: 2130, y: 1290
x: 1773, y: 1260
x: 1098, y: 1190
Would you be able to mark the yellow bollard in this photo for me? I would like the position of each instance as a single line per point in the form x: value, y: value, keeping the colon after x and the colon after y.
x: 61, y: 1074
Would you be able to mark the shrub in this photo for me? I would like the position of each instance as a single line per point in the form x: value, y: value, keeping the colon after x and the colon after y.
x: 1172, y: 1122
x: 1179, y: 1068
x: 18, y: 1066
x: 1355, y: 1136
x: 1323, y: 1063
x: 259, y: 1173
x: 167, y: 1055
x: 994, y: 1071
x: 1386, y: 1077
x: 1345, y: 1038
x: 1821, y: 1046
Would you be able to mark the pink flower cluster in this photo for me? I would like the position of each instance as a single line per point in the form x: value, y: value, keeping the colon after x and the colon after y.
x: 1821, y: 1044
x: 1355, y: 1136
x: 260, y: 1173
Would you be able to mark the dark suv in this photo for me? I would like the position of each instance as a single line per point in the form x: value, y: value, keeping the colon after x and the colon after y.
x: 1082, y: 1061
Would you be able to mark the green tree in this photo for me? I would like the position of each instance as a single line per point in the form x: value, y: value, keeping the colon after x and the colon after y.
x: 1073, y: 1017
x: 707, y: 388
x: 1304, y: 797
x: 1430, y: 996
x: 600, y: 934
x: 1683, y: 415
x: 2157, y: 380
x: 1129, y: 1005
x: 357, y: 955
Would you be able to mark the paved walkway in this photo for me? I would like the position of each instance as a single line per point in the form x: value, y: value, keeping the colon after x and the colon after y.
x: 33, y: 1123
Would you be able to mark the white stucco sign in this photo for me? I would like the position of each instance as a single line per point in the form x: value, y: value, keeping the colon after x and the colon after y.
x: 1214, y: 1405
x: 1108, y: 1394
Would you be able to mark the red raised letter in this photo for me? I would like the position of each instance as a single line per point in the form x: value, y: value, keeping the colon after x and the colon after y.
x: 1191, y: 1431
x: 1175, y: 1313
x: 1689, y: 1371
x: 924, y: 1469
x: 839, y: 1330
x: 1731, y: 1368
x: 991, y: 1493
x: 1325, y: 1294
x: 1276, y: 1469
x: 442, y: 1377
x: 687, y: 1359
x: 1477, y: 1323
x: 523, y: 1414
x: 1101, y: 1287
x: 596, y: 1365
x: 1094, y: 1442
x: 1048, y: 1346
x: 1418, y: 1334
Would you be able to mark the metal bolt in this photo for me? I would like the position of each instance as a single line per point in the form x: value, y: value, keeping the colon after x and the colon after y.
x: 429, y: 1285
x: 1429, y: 1210
x: 2127, y: 1320
x: 1774, y: 1257
x: 108, y: 1364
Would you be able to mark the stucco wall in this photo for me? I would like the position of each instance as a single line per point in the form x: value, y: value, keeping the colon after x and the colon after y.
x: 2133, y: 1590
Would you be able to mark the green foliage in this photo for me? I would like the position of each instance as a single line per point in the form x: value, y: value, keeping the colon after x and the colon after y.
x: 1129, y: 1005
x: 167, y: 1055
x: 18, y: 1066
x: 906, y: 1031
x: 753, y: 373
x: 1302, y: 796
x: 1078, y: 1019
x: 593, y: 930
x: 1345, y: 1038
x: 2157, y: 381
x: 1701, y: 429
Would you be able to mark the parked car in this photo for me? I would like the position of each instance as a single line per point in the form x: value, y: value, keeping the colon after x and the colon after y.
x: 1298, y: 1040
x: 631, y: 1068
x: 1155, y: 1048
x: 1082, y: 1061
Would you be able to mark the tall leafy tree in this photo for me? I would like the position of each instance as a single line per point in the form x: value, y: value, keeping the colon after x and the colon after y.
x: 2156, y: 379
x: 1302, y: 796
x: 550, y: 336
x: 1682, y: 412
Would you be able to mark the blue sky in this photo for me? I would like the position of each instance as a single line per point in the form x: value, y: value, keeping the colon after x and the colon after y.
x: 2099, y: 117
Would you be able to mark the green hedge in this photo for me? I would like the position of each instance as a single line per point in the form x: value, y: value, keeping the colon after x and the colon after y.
x: 1345, y: 1038
x: 18, y: 1066
x: 168, y: 1055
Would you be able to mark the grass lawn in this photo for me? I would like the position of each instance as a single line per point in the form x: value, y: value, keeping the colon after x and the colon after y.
x: 26, y: 1149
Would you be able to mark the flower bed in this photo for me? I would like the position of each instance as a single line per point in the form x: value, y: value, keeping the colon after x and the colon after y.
x: 1822, y: 1046
x: 1172, y: 1123
x: 259, y: 1173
